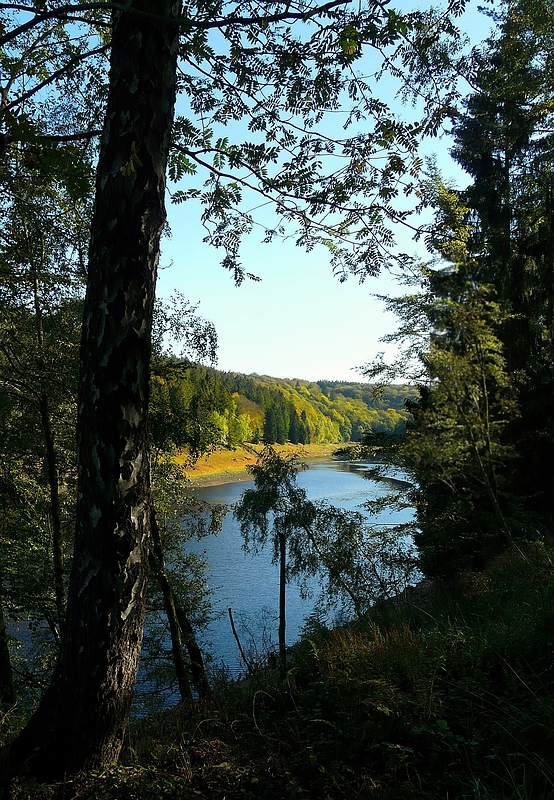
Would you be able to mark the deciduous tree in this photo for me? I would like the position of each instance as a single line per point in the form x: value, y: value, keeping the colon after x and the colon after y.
x: 276, y: 510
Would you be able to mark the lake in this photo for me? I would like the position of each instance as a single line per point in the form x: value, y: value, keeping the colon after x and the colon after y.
x: 249, y: 584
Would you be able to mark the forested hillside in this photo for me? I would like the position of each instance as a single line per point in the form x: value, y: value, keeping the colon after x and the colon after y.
x: 306, y: 412
x: 226, y: 409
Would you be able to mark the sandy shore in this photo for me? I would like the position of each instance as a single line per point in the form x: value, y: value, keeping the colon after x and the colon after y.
x: 219, y: 478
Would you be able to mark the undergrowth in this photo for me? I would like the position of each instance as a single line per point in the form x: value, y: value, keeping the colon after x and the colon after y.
x: 446, y: 693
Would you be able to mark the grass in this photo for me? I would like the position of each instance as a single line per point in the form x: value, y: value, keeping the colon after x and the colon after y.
x: 446, y: 693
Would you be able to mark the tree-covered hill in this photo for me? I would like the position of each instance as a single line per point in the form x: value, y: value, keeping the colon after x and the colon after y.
x: 206, y: 406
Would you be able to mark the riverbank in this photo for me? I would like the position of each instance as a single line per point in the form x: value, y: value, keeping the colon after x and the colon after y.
x: 445, y: 694
x: 231, y: 466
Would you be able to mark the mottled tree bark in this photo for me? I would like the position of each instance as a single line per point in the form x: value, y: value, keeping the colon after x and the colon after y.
x: 81, y: 720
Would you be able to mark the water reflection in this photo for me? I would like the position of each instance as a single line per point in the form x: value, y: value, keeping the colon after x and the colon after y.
x: 249, y: 584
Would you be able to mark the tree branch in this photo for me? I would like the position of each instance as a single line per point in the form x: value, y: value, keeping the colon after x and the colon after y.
x: 54, y: 76
x: 65, y: 12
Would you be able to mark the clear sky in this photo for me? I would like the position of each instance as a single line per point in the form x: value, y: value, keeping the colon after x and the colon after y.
x: 298, y: 321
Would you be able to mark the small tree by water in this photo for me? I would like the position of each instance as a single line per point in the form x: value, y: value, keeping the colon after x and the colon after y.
x: 358, y: 565
x: 276, y: 510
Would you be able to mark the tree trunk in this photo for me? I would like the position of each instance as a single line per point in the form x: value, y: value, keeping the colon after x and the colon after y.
x: 282, y: 607
x: 197, y: 668
x: 7, y: 689
x: 52, y: 468
x: 157, y: 563
x: 81, y: 720
x: 55, y: 513
x: 181, y: 631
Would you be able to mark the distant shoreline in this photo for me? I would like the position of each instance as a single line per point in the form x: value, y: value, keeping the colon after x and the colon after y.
x: 231, y: 466
x: 219, y: 479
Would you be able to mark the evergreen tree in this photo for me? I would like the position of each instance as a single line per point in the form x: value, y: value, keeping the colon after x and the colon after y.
x: 295, y: 430
x: 505, y: 142
x: 270, y: 426
x: 305, y: 436
x: 478, y: 334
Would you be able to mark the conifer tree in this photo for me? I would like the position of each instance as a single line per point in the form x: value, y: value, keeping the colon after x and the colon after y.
x: 481, y: 445
x: 505, y: 142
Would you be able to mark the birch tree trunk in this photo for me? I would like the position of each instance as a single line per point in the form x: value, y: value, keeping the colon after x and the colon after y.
x: 81, y: 720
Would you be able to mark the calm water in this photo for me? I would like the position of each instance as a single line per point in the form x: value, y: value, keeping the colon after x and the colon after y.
x: 249, y: 584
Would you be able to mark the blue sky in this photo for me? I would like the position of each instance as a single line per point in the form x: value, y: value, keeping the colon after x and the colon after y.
x: 298, y: 321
